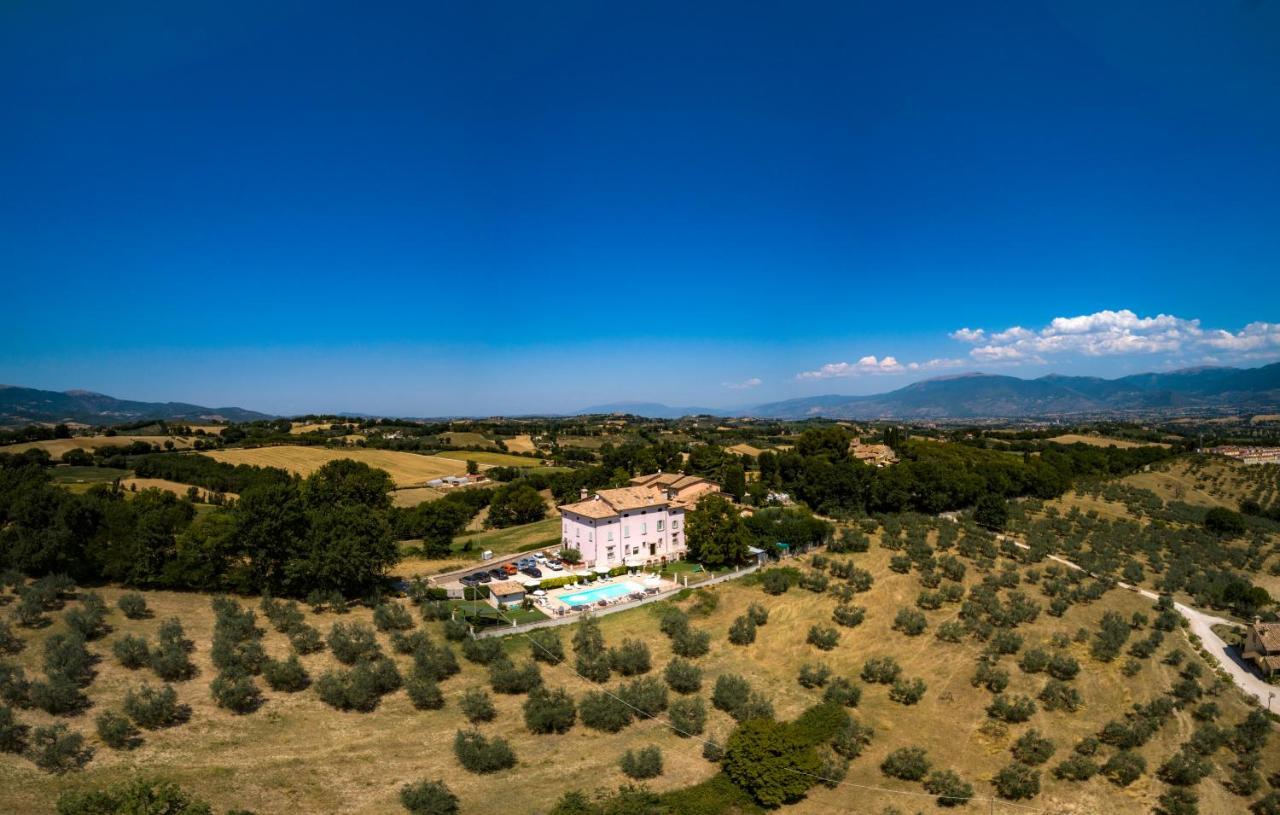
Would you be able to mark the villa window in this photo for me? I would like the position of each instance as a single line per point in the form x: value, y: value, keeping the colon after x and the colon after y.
x: 660, y: 525
x: 610, y: 534
x: 608, y: 553
x: 644, y: 528
x: 626, y: 531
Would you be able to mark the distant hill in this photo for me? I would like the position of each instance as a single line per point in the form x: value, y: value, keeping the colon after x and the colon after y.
x: 24, y: 405
x: 651, y: 410
x: 974, y: 396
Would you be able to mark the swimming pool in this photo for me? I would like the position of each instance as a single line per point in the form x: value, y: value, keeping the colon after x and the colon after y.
x: 609, y: 591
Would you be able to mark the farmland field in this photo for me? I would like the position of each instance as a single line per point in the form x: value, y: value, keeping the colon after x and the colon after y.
x: 56, y: 447
x: 295, y: 754
x: 308, y: 427
x: 490, y: 459
x: 520, y: 444
x: 1103, y: 441
x: 745, y: 450
x: 406, y: 469
x: 412, y: 496
x: 466, y: 438
x: 174, y: 487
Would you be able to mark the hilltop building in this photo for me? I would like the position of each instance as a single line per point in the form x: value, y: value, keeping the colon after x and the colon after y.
x: 873, y: 455
x: 639, y: 525
x: 1262, y: 647
x: 1249, y: 455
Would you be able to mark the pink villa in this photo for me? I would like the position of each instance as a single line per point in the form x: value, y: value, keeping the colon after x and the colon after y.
x: 639, y: 525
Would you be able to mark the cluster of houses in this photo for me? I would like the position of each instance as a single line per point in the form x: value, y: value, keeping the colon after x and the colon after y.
x: 638, y: 525
x: 873, y: 455
x: 1249, y: 455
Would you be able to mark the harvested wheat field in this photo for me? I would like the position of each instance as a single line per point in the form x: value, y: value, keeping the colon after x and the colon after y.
x: 405, y: 469
x: 490, y: 459
x: 412, y: 496
x: 1103, y: 441
x: 520, y: 444
x: 56, y: 447
x: 308, y: 427
x: 174, y: 487
x: 745, y: 450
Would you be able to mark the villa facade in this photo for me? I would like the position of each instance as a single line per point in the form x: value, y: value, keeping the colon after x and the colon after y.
x: 1262, y: 647
x: 640, y: 525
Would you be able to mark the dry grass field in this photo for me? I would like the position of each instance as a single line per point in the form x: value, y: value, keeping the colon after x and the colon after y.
x: 308, y: 427
x: 56, y: 447
x: 406, y: 469
x: 745, y: 450
x: 1102, y: 441
x: 412, y: 496
x: 297, y: 755
x: 466, y: 438
x: 174, y: 487
x: 520, y: 444
x: 489, y: 459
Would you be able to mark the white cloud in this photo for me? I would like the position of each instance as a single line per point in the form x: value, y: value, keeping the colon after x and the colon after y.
x: 873, y: 365
x: 753, y: 382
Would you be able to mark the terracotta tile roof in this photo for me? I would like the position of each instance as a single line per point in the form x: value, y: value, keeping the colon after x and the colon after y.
x: 607, y: 503
x: 1269, y: 635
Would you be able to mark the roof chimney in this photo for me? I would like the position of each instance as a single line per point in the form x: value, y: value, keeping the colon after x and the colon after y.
x: 583, y: 494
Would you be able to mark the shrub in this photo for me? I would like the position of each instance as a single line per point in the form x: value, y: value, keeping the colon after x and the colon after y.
x: 477, y: 706
x: 549, y: 711
x: 355, y: 689
x: 758, y: 614
x: 286, y: 675
x: 906, y: 763
x: 1058, y: 695
x: 1063, y: 666
x: 776, y: 581
x: 13, y: 734
x: 814, y: 676
x: 815, y: 582
x: 730, y: 693
x: 849, y: 616
x: 133, y: 606
x: 1011, y: 709
x: 456, y: 630
x: 352, y: 642
x: 1184, y: 768
x: 481, y: 652
x: 1076, y: 768
x: 683, y: 676
x: 55, y: 749
x: 392, y: 617
x: 546, y: 646
x: 643, y: 763
x: 1032, y: 749
x: 712, y: 751
x: 602, y: 711
x: 172, y: 665
x: 852, y: 739
x: 14, y: 688
x: 236, y: 692
x: 1016, y: 782
x: 505, y: 677
x: 428, y: 798
x: 672, y: 622
x: 435, y: 661
x: 881, y: 670
x: 647, y: 696
x: 481, y: 755
x: 1178, y: 801
x: 132, y: 651
x: 907, y: 692
x: 57, y: 695
x: 630, y: 658
x: 742, y: 631
x: 950, y: 789
x: 10, y: 643
x: 843, y: 692
x: 424, y: 692
x: 910, y: 622
x: 66, y: 655
x: 691, y: 643
x: 1034, y: 660
x: 116, y: 731
x: 89, y: 622
x: 688, y: 716
x: 823, y: 637
x: 1123, y: 768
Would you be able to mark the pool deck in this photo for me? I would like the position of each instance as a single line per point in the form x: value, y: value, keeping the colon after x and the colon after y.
x: 555, y: 604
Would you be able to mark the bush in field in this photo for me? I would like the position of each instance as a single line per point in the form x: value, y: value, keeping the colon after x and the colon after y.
x: 90, y: 620
x: 481, y: 652
x: 843, y: 692
x: 907, y: 691
x: 13, y: 734
x: 1184, y: 768
x: 66, y: 655
x: 823, y: 637
x: 14, y: 688
x: 435, y: 661
x: 630, y: 658
x: 286, y: 675
x: 505, y: 677
x: 910, y: 622
x: 116, y: 731
x: 55, y: 749
x: 169, y: 658
x: 881, y: 670
x: 742, y: 631
x: 1034, y: 660
x: 1032, y: 749
x: 235, y: 692
x: 776, y: 581
x: 643, y: 763
x: 852, y: 739
x: 133, y: 606
x: 1063, y: 666
x: 10, y: 643
x: 758, y: 614
x: 1016, y: 782
x: 688, y: 716
x: 29, y: 612
x: 601, y: 711
x: 549, y: 711
x: 57, y: 695
x: 1076, y: 768
x: 814, y: 676
x: 730, y: 693
x: 906, y: 764
x: 456, y: 630
x: 951, y: 790
x: 647, y: 696
x: 481, y: 755
x: 691, y: 643
x: 546, y: 646
x: 306, y: 639
x: 1011, y: 709
x: 428, y: 798
x: 151, y: 708
x: 424, y: 692
x: 392, y: 617
x: 355, y: 689
x: 353, y: 642
x: 132, y: 651
x: 477, y: 706
x: 849, y: 616
x: 1059, y: 695
x: 1123, y: 768
x: 683, y: 676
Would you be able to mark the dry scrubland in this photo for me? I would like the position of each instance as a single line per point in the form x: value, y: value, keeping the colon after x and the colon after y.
x: 56, y: 447
x: 297, y: 755
x: 1103, y: 441
x: 405, y: 469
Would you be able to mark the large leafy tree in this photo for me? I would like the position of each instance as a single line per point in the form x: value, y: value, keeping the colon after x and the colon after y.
x: 348, y: 548
x: 348, y: 482
x: 717, y: 535
x: 516, y: 503
x: 771, y: 761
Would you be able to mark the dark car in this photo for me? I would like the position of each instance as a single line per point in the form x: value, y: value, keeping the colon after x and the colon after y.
x: 532, y: 571
x: 497, y: 574
x: 483, y: 577
x: 469, y: 580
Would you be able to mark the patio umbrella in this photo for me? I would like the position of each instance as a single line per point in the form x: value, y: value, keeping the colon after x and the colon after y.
x: 539, y: 593
x: 652, y: 581
x: 601, y: 570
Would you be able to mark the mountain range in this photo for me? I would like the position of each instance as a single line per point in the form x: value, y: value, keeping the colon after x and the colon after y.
x: 24, y: 405
x: 982, y: 396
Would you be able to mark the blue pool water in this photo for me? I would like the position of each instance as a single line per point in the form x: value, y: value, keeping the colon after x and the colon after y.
x: 609, y: 591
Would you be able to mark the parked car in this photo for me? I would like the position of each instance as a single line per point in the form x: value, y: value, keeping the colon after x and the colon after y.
x: 526, y: 563
x: 539, y: 556
x: 498, y: 574
x: 469, y: 580
x: 532, y: 571
x: 509, y: 568
x: 553, y: 565
x: 483, y: 577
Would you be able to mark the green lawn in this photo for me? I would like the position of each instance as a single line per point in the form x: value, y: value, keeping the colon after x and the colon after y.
x: 87, y: 475
x: 510, y: 540
x: 482, y: 609
x: 486, y: 457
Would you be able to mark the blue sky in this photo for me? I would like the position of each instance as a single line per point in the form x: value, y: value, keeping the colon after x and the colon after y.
x: 424, y: 209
